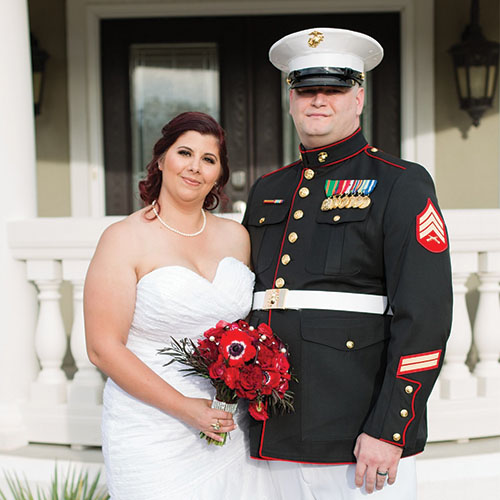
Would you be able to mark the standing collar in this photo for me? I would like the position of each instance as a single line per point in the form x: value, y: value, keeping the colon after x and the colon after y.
x: 333, y: 153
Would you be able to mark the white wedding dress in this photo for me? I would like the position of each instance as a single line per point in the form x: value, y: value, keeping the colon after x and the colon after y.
x: 150, y: 455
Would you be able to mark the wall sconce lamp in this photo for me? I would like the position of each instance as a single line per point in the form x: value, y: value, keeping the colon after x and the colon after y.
x: 475, y: 60
x: 38, y: 60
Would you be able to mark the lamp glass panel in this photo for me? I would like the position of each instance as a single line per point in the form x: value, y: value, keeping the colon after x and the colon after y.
x: 462, y: 81
x: 490, y: 86
x: 477, y: 81
x: 165, y: 80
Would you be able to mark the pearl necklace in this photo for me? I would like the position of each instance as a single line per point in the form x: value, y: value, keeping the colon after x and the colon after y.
x: 190, y: 235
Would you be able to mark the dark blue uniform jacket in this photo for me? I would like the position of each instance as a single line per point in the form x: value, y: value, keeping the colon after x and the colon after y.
x: 357, y: 372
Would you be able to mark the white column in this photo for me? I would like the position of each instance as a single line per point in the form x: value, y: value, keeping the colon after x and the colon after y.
x: 50, y: 387
x: 18, y: 200
x: 456, y: 379
x: 86, y: 388
x: 487, y: 325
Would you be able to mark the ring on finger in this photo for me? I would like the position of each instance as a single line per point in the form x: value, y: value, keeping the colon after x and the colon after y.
x: 216, y: 426
x: 382, y: 473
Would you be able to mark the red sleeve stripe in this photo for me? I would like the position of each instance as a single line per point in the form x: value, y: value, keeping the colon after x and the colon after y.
x: 419, y: 362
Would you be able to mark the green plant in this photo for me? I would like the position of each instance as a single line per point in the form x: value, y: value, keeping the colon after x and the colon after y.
x: 76, y: 486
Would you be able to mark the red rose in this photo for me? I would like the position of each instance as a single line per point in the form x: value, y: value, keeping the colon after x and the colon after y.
x: 242, y: 325
x: 281, y: 363
x: 236, y: 346
x: 216, y: 333
x: 258, y: 410
x: 271, y: 381
x: 217, y: 369
x: 208, y: 350
x: 231, y: 377
x: 253, y: 332
x: 283, y: 386
x: 250, y: 382
x: 264, y: 329
x: 265, y: 357
x: 266, y: 335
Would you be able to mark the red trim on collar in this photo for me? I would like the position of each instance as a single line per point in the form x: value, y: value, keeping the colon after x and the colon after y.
x: 330, y: 145
x: 282, y: 168
x: 381, y: 159
x: 342, y: 159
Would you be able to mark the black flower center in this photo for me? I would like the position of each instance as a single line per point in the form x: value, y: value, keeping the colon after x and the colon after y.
x: 235, y: 349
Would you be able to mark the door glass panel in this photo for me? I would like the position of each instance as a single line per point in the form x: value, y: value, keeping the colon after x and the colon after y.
x: 291, y: 140
x: 165, y: 80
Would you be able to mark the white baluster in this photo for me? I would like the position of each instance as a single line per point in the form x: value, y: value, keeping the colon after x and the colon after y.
x: 50, y: 337
x: 86, y: 387
x: 487, y: 325
x: 456, y: 379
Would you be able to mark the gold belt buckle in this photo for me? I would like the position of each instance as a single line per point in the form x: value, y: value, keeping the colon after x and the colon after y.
x: 275, y: 298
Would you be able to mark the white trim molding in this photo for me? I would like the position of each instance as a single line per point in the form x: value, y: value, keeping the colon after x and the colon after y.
x: 84, y: 79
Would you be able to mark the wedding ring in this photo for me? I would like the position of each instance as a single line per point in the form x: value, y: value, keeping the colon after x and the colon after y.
x: 382, y: 473
x: 216, y: 426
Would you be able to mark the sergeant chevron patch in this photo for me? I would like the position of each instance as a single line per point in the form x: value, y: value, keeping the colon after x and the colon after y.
x: 431, y: 232
x: 419, y: 362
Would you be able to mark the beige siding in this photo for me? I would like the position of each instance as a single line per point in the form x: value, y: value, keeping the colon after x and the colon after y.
x: 467, y: 158
x: 48, y: 24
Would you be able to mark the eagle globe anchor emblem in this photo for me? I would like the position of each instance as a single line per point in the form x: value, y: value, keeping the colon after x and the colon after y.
x: 316, y: 37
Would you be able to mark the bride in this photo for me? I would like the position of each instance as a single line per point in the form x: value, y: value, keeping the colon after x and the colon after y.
x: 171, y: 270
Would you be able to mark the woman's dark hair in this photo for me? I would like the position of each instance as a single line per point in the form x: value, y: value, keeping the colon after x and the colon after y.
x: 149, y: 188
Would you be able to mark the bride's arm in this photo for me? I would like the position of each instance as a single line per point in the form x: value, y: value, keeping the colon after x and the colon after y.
x: 109, y: 302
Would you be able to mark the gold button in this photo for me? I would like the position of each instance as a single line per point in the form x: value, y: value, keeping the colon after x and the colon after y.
x: 322, y: 156
x: 303, y: 192
x: 293, y: 237
x: 285, y: 259
x: 403, y: 413
x: 373, y: 150
x: 349, y: 344
x: 309, y: 174
x: 298, y: 214
x: 396, y: 436
x: 408, y: 389
x: 280, y: 283
x: 336, y: 218
x: 262, y: 220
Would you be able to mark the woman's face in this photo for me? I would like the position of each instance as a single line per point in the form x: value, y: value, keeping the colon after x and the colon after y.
x: 191, y: 166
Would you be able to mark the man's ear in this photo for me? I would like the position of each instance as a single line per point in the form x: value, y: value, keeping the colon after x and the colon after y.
x: 360, y: 100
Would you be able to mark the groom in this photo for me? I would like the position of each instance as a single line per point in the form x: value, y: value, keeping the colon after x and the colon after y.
x: 352, y: 266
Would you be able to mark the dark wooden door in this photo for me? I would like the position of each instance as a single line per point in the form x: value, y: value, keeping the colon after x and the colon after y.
x: 250, y: 87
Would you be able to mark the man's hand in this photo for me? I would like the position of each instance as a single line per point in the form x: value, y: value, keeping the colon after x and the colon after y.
x: 373, y: 455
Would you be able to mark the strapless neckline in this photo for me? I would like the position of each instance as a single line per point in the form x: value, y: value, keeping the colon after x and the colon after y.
x: 192, y: 271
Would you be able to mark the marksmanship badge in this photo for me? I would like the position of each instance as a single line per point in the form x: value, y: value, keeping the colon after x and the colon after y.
x: 431, y: 231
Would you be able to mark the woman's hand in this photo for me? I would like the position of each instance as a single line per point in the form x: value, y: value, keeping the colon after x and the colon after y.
x: 197, y: 413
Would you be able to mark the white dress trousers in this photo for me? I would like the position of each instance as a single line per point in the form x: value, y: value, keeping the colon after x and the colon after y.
x: 336, y: 482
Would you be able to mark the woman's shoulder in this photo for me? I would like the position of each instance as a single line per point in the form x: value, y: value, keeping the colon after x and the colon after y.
x: 126, y: 232
x: 230, y: 227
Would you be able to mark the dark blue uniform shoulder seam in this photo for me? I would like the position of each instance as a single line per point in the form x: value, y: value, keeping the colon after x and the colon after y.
x: 385, y: 161
x: 279, y: 169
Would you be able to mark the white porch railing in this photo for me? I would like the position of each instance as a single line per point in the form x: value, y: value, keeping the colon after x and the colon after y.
x: 465, y: 403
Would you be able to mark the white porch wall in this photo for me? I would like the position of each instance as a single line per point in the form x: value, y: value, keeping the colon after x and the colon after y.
x: 18, y: 200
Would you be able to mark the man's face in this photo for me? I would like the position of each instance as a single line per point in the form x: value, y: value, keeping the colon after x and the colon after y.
x: 324, y: 115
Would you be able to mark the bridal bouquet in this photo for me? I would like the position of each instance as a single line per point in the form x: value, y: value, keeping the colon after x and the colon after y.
x: 241, y: 362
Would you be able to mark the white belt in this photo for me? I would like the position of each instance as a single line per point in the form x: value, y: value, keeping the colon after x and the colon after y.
x: 282, y: 298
